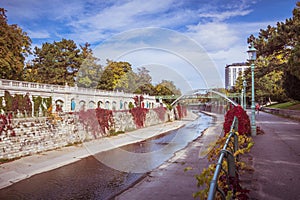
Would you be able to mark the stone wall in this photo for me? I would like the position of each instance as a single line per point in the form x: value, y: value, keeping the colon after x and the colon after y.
x: 294, y: 114
x: 34, y: 135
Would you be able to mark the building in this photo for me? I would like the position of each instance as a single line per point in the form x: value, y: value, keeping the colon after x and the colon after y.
x: 232, y: 72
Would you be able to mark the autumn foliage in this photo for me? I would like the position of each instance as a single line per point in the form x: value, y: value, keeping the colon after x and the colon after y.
x: 139, y: 116
x: 243, y: 120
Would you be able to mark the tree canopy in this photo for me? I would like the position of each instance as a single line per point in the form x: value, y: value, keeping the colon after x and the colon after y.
x: 14, y: 47
x: 90, y: 71
x: 56, y: 63
x: 277, y: 72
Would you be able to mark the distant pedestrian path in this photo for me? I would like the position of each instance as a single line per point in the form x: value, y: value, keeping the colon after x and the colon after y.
x: 276, y: 159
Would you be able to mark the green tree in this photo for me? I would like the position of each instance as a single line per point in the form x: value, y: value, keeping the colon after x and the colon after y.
x: 14, y: 47
x: 56, y: 63
x: 90, y: 71
x: 292, y: 74
x: 115, y: 76
x: 147, y: 88
x: 166, y: 87
x: 278, y: 51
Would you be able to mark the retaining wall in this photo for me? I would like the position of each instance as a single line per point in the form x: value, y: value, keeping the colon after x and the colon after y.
x: 294, y: 114
x: 34, y: 135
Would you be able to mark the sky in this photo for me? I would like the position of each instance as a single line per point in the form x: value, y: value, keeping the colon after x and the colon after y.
x: 186, y: 41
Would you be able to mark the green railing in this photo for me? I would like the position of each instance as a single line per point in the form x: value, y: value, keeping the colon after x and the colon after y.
x: 226, y: 153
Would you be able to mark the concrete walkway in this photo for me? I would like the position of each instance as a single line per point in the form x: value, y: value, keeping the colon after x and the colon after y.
x: 275, y: 159
x: 169, y: 181
x: 26, y: 167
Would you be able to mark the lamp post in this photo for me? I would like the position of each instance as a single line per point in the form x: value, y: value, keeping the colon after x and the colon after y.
x: 244, y: 95
x: 242, y: 98
x: 252, y: 58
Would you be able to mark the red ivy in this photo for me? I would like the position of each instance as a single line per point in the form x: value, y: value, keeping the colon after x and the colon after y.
x: 161, y: 112
x: 181, y: 110
x: 139, y: 116
x: 98, y: 120
x: 6, y: 124
x: 138, y: 100
x: 105, y: 119
x: 243, y: 120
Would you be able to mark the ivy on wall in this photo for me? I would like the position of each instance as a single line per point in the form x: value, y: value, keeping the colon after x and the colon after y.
x: 6, y: 125
x: 41, y: 103
x: 98, y: 121
x: 139, y: 116
x: 16, y: 104
x: 181, y: 110
x: 161, y: 112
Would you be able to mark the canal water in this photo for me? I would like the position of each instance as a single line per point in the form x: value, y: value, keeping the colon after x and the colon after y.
x: 106, y: 174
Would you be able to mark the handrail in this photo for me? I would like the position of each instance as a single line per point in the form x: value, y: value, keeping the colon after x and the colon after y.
x: 229, y: 155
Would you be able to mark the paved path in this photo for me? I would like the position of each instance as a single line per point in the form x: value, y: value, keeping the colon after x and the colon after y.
x: 169, y: 181
x: 276, y: 159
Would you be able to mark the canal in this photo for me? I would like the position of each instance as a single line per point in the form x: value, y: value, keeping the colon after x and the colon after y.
x: 106, y: 174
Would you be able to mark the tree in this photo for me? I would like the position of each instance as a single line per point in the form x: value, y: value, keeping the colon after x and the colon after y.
x: 90, y: 71
x: 143, y: 76
x: 277, y: 66
x: 14, y: 47
x: 292, y: 75
x: 56, y: 63
x: 115, y: 76
x: 146, y: 89
x: 166, y: 87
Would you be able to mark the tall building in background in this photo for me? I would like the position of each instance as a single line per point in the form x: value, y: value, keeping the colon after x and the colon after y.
x: 232, y: 73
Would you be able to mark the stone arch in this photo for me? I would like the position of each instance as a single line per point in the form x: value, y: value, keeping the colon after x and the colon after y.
x: 92, y: 105
x: 59, y: 103
x: 121, y: 104
x: 107, y: 105
x: 82, y: 105
x: 125, y: 105
x: 73, y: 104
x: 114, y: 105
x: 100, y: 104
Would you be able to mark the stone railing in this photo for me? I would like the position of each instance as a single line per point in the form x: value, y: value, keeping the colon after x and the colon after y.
x: 294, y: 114
x: 40, y: 87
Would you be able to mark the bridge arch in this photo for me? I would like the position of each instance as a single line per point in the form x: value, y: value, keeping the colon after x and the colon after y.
x: 197, y: 91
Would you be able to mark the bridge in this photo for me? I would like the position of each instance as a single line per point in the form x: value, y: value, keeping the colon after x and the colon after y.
x: 74, y: 98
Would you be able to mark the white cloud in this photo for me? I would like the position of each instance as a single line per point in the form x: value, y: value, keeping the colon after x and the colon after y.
x: 221, y: 16
x: 38, y: 34
x: 213, y: 36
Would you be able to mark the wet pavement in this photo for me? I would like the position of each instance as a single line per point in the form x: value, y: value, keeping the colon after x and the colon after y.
x: 107, y: 173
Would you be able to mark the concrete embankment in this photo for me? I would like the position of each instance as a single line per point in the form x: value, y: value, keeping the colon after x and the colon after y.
x: 26, y: 167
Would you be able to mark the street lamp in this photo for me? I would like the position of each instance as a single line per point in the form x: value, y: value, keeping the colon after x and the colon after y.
x: 244, y: 95
x: 252, y: 57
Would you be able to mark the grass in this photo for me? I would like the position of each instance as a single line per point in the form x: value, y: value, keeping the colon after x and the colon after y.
x: 291, y: 105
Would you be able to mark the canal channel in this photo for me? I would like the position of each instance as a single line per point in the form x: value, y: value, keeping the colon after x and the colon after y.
x: 102, y: 176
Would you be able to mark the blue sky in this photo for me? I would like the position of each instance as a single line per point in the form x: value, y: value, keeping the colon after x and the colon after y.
x: 219, y: 27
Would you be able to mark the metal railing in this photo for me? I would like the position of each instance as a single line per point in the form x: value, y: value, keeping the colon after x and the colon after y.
x: 228, y: 153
